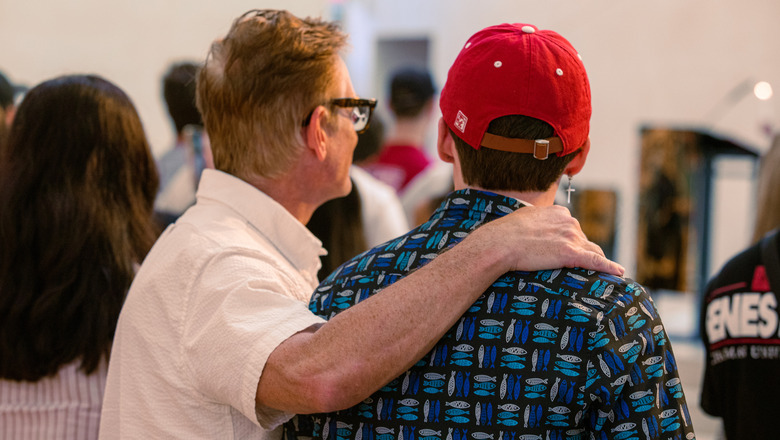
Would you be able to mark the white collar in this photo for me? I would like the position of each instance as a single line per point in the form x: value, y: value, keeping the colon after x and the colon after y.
x: 269, y: 218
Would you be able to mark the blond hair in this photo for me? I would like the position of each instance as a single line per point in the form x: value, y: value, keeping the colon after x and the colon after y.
x: 768, y: 209
x: 258, y: 85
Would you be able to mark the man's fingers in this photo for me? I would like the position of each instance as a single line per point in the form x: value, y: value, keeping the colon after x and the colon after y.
x: 545, y: 238
x: 593, y: 247
x: 596, y: 261
x: 580, y: 251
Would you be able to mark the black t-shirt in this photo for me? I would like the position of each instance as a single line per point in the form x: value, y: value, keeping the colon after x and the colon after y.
x: 739, y: 327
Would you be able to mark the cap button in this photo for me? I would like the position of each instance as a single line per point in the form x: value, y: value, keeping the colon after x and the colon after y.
x: 528, y: 29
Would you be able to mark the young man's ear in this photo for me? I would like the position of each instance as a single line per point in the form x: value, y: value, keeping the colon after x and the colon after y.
x: 444, y: 143
x: 576, y: 164
x: 314, y: 134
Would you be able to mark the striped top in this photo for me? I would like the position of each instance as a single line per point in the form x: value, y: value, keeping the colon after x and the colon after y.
x: 64, y: 406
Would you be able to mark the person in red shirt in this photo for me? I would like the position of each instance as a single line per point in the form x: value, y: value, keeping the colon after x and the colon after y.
x: 403, y: 157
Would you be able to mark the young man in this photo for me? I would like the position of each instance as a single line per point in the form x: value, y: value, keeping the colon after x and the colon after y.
x: 215, y: 340
x: 552, y: 354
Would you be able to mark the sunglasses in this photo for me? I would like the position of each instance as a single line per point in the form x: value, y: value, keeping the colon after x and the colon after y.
x: 362, y: 109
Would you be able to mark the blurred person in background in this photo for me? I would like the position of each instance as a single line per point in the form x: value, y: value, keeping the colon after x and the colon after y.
x: 402, y: 156
x: 403, y: 163
x: 381, y: 209
x: 740, y: 324
x: 8, y: 100
x: 77, y: 185
x: 181, y: 166
x: 8, y: 94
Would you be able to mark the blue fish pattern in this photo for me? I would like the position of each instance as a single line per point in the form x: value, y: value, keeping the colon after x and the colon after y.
x: 555, y: 354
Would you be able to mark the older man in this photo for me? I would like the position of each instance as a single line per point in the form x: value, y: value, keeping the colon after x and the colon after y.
x: 215, y: 339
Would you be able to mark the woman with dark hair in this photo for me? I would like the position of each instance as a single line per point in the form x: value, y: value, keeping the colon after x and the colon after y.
x: 77, y: 187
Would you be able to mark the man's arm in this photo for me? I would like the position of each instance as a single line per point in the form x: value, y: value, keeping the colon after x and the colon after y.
x: 346, y: 359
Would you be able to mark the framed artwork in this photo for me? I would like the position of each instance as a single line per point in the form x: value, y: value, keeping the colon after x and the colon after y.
x: 596, y: 210
x: 676, y: 193
x: 670, y: 172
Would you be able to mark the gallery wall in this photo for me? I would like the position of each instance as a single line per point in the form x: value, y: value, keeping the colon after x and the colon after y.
x: 130, y: 42
x: 686, y: 64
x: 677, y: 63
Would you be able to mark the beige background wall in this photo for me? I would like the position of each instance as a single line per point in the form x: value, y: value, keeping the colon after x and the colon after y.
x: 672, y: 63
x: 129, y: 42
x: 668, y: 62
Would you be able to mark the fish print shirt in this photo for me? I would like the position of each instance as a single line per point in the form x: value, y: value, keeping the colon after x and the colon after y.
x: 549, y: 355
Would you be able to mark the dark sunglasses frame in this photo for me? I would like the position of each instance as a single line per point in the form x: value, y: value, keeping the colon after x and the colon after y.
x: 349, y: 103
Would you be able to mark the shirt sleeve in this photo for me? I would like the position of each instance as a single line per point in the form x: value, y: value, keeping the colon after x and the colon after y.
x: 634, y: 384
x: 243, y: 311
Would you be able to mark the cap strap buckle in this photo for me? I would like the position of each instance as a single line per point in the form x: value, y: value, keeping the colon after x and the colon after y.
x: 540, y: 148
x: 541, y: 145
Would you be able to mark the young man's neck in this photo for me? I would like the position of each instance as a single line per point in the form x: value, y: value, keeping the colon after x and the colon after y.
x: 543, y: 198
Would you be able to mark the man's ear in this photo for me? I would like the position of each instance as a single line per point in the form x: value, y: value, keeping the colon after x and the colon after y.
x: 444, y: 143
x: 314, y: 134
x: 576, y: 164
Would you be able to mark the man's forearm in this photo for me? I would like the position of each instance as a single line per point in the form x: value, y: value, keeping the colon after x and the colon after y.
x: 371, y: 343
x: 366, y: 346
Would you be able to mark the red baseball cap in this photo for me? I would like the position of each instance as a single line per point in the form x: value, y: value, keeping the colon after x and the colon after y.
x: 517, y: 69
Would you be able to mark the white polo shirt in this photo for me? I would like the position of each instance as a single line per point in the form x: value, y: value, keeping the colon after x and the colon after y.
x: 218, y: 292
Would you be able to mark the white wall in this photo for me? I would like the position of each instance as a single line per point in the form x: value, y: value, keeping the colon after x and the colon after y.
x: 665, y: 62
x: 660, y: 62
x: 129, y: 42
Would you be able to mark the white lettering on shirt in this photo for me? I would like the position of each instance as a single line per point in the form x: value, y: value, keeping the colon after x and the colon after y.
x: 742, y: 315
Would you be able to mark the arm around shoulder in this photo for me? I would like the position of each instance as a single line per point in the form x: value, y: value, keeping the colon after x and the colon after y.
x: 539, y: 238
x: 366, y: 346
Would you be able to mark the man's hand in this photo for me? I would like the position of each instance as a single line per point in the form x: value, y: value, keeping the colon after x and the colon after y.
x: 538, y: 238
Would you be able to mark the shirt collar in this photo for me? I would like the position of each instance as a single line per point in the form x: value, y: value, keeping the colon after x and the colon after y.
x: 478, y: 200
x: 291, y: 238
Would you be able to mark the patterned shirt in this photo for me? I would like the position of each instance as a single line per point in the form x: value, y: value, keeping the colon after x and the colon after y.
x: 554, y: 354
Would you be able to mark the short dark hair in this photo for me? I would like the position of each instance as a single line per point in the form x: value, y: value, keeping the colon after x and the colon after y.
x: 7, y: 92
x: 77, y: 188
x: 505, y: 171
x: 410, y: 90
x: 179, y: 90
